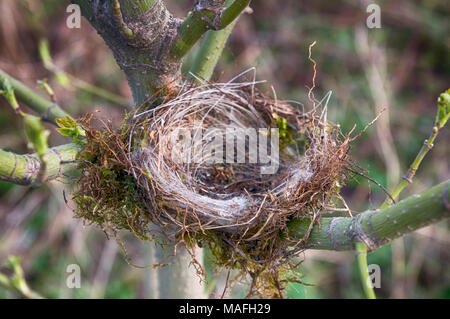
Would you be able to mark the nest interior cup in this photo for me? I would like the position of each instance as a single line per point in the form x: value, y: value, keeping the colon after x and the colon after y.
x: 222, y: 156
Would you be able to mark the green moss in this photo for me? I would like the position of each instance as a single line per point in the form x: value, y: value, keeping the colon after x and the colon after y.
x: 106, y: 193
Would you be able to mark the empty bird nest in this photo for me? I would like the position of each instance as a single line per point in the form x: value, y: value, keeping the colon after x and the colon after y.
x: 218, y: 165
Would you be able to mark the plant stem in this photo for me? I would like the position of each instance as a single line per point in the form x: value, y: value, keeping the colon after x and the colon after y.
x: 17, y: 282
x: 407, y: 179
x: 23, y: 289
x: 211, y: 49
x: 196, y: 24
x: 25, y: 169
x: 376, y: 228
x: 142, y: 54
x: 361, y: 257
x: 70, y: 82
x: 48, y: 110
x: 442, y: 116
x: 96, y: 91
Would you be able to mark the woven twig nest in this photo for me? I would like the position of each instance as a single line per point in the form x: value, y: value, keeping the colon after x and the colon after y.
x: 221, y: 164
x: 223, y: 157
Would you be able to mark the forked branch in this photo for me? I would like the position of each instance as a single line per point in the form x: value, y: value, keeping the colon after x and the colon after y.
x: 148, y: 42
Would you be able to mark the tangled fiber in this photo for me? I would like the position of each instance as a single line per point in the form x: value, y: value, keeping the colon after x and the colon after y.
x: 176, y: 167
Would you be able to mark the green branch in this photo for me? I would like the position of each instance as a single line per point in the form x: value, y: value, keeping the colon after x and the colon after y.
x: 378, y: 227
x: 442, y: 116
x: 71, y: 82
x: 443, y: 113
x: 17, y: 282
x: 48, y: 110
x: 210, y: 50
x: 25, y: 169
x: 361, y: 258
x: 200, y: 21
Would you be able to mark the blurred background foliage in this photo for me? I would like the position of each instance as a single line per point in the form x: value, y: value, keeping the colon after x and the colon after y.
x: 403, y: 66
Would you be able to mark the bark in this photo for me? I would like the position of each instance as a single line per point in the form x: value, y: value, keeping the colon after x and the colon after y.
x: 139, y: 34
x: 148, y: 42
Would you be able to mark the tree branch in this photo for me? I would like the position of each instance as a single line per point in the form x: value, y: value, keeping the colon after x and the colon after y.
x: 443, y: 113
x: 17, y: 282
x: 211, y: 49
x: 148, y: 43
x: 379, y: 227
x: 361, y: 258
x: 201, y: 20
x: 442, y: 117
x: 48, y: 110
x: 25, y: 169
x: 140, y: 34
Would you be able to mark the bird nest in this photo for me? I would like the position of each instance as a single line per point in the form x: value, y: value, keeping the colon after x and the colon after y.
x: 218, y: 165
